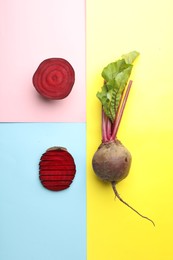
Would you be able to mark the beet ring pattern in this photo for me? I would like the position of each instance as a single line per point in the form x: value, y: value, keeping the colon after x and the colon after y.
x: 56, y: 169
x: 54, y: 78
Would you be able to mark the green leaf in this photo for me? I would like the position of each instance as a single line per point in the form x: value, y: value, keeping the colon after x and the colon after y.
x: 116, y: 75
x: 110, y: 72
x: 130, y: 57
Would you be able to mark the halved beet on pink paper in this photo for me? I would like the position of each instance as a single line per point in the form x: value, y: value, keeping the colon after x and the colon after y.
x: 54, y: 78
x: 56, y: 169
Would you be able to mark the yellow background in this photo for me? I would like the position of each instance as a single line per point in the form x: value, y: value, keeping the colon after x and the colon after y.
x: 114, y: 232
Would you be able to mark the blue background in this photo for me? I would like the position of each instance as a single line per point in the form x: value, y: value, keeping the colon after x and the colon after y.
x: 36, y: 223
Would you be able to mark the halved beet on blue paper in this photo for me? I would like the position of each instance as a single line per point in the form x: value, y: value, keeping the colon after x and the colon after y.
x: 57, y: 169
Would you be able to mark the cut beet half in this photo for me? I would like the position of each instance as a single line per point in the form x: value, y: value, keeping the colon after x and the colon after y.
x: 54, y: 78
x: 56, y: 169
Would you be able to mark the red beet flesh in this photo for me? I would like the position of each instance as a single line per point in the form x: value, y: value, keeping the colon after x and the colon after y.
x: 54, y: 78
x: 57, y: 169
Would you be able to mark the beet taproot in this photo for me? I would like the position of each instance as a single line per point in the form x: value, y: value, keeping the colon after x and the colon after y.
x: 54, y: 78
x: 111, y: 163
x: 112, y: 160
x: 56, y: 169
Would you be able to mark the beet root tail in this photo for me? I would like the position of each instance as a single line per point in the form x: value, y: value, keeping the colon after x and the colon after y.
x: 118, y: 196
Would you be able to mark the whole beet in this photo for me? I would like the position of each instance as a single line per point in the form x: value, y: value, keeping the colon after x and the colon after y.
x: 111, y: 162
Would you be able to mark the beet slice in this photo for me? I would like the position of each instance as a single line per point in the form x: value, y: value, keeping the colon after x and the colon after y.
x: 57, y: 169
x: 54, y: 78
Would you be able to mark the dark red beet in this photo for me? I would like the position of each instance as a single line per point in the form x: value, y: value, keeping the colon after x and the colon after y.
x: 54, y: 78
x: 57, y: 169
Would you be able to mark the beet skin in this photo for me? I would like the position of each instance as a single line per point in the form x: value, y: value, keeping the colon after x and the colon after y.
x: 112, y: 161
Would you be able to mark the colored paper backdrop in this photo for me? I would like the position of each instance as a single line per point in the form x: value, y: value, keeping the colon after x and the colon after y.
x: 30, y: 32
x: 36, y: 223
x: 113, y: 230
x: 34, y: 30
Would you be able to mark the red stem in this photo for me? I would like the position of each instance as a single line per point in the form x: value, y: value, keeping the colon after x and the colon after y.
x: 120, y: 112
x: 104, y: 132
x: 108, y: 128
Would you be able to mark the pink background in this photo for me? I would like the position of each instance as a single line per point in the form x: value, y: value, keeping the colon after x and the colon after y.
x: 31, y: 31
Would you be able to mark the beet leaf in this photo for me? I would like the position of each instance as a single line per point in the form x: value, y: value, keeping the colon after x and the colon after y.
x: 116, y: 76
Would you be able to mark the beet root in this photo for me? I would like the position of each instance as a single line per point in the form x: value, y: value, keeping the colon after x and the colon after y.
x: 111, y: 163
x: 54, y: 78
